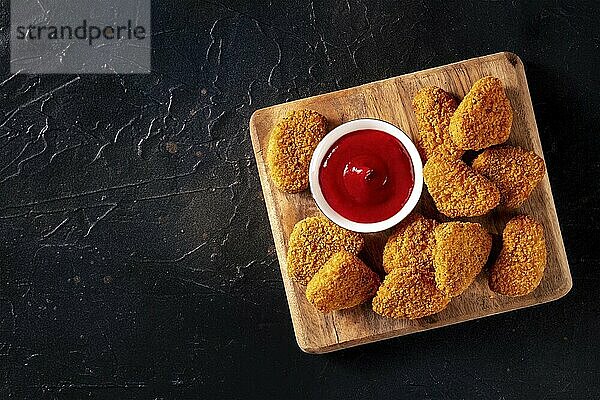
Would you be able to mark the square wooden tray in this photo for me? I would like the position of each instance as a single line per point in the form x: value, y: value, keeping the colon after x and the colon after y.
x: 390, y: 100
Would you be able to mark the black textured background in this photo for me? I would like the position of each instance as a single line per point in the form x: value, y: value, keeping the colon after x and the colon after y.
x: 136, y: 259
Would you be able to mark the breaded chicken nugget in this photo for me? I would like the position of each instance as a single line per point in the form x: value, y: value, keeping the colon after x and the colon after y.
x: 483, y: 118
x: 514, y: 171
x: 522, y: 260
x: 433, y: 108
x: 343, y: 282
x: 409, y: 293
x: 457, y: 190
x: 313, y: 241
x: 412, y: 246
x: 461, y: 251
x: 291, y: 146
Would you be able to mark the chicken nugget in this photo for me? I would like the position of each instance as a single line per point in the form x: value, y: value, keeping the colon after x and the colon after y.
x: 483, y: 118
x: 433, y: 108
x: 313, y: 241
x: 461, y: 251
x: 409, y: 293
x: 457, y: 190
x: 343, y: 282
x: 291, y: 146
x: 514, y: 171
x: 522, y: 260
x: 411, y: 246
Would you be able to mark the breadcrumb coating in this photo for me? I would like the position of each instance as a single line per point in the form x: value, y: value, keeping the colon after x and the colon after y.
x: 461, y: 251
x: 313, y: 241
x: 291, y: 146
x: 418, y: 242
x: 409, y: 293
x: 433, y: 109
x: 520, y: 266
x: 483, y: 118
x: 457, y: 190
x: 411, y: 246
x: 392, y: 246
x: 343, y: 282
x: 514, y: 171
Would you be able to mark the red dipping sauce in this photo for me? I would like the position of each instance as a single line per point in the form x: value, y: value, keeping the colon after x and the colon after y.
x: 367, y: 176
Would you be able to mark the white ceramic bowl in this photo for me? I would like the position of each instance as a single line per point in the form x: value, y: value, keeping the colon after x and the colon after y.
x: 322, y: 150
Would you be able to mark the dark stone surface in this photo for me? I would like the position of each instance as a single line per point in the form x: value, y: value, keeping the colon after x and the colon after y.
x: 136, y: 259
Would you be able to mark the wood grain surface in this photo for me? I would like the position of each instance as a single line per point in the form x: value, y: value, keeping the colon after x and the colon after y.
x: 390, y: 100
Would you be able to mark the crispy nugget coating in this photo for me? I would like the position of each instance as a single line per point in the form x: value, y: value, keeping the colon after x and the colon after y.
x: 514, y: 171
x: 522, y: 260
x: 418, y: 242
x: 411, y: 246
x: 392, y: 246
x: 391, y: 250
x: 409, y: 293
x: 291, y: 146
x: 433, y: 109
x: 483, y: 118
x: 343, y: 282
x: 461, y: 251
x: 313, y: 241
x: 457, y: 190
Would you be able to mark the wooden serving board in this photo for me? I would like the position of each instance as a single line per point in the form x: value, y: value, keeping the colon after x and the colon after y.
x: 390, y: 100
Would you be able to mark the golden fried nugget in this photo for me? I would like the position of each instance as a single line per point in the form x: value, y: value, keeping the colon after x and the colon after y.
x: 514, y: 171
x: 522, y: 260
x: 411, y: 246
x: 483, y: 118
x: 343, y: 282
x: 461, y: 251
x: 409, y: 293
x: 291, y: 146
x: 457, y: 190
x: 433, y: 108
x: 313, y: 241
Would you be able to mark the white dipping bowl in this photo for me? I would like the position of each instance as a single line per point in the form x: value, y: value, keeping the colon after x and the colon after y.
x: 324, y: 147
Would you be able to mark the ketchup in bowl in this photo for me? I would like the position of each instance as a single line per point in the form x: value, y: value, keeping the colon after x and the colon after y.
x: 367, y: 176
